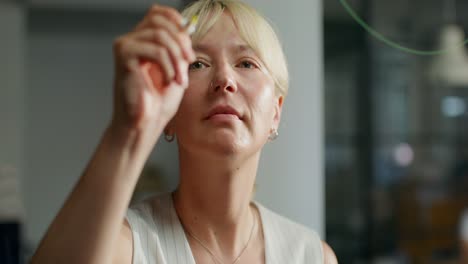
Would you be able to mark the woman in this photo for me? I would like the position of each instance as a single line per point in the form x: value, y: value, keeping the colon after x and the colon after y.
x: 221, y: 118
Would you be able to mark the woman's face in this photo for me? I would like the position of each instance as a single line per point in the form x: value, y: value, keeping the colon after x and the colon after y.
x: 230, y: 106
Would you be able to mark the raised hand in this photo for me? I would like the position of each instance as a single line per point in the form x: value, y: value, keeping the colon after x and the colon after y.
x: 151, y: 70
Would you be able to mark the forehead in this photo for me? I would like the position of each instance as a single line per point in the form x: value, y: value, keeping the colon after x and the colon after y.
x: 223, y: 35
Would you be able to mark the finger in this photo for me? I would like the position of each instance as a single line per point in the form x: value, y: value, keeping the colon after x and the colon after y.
x: 164, y: 39
x: 133, y: 50
x: 169, y: 12
x: 173, y: 49
x: 181, y: 37
x: 161, y: 37
x: 183, y: 72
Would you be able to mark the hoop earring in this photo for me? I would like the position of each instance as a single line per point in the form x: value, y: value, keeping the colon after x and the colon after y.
x: 273, y: 135
x: 169, y: 138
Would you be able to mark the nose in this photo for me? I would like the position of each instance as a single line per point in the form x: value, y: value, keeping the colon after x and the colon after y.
x: 224, y: 79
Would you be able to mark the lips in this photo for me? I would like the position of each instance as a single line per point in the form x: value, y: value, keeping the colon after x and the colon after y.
x: 223, y: 110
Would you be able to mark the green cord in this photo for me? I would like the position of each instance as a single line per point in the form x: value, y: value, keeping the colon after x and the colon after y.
x: 393, y: 44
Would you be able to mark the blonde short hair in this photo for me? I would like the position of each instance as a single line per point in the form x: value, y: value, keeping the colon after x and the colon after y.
x: 253, y: 28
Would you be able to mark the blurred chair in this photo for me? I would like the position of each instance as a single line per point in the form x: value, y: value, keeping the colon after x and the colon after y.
x: 428, y: 230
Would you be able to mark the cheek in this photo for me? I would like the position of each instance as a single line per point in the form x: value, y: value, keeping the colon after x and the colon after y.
x: 198, y: 83
x: 262, y: 104
x: 262, y: 94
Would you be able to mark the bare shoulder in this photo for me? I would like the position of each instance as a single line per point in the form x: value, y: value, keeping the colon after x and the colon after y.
x: 329, y: 256
x: 124, y: 248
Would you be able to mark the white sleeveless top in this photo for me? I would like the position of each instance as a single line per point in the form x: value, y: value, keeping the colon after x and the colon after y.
x: 158, y: 236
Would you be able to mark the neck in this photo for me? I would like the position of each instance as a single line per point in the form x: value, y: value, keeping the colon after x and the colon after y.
x: 213, y: 200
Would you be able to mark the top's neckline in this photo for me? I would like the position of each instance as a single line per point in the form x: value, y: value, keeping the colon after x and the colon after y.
x: 258, y: 207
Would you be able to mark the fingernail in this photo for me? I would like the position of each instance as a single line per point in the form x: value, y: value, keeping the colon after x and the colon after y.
x: 191, y: 29
x: 184, y: 22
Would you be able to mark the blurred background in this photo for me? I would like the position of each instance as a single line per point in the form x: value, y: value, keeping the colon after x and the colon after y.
x: 396, y: 132
x: 373, y: 147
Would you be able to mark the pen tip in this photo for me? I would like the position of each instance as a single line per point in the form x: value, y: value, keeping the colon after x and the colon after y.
x: 194, y: 20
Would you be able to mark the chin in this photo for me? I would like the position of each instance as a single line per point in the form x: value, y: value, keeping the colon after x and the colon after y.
x: 223, y: 143
x: 228, y: 144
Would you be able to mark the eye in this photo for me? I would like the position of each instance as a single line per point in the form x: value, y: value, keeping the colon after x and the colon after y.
x: 247, y: 64
x: 197, y: 65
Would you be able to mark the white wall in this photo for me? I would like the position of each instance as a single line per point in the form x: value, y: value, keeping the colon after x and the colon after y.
x: 12, y: 36
x: 291, y: 175
x: 69, y: 102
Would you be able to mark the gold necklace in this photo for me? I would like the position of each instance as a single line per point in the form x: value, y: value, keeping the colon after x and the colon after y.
x: 213, y: 256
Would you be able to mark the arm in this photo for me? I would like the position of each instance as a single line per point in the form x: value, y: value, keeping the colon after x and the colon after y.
x: 464, y: 251
x: 87, y: 226
x: 150, y: 80
x: 463, y: 226
x: 123, y: 253
x: 329, y: 256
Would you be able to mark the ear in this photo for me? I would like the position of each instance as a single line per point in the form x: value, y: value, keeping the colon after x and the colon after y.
x: 278, y: 109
